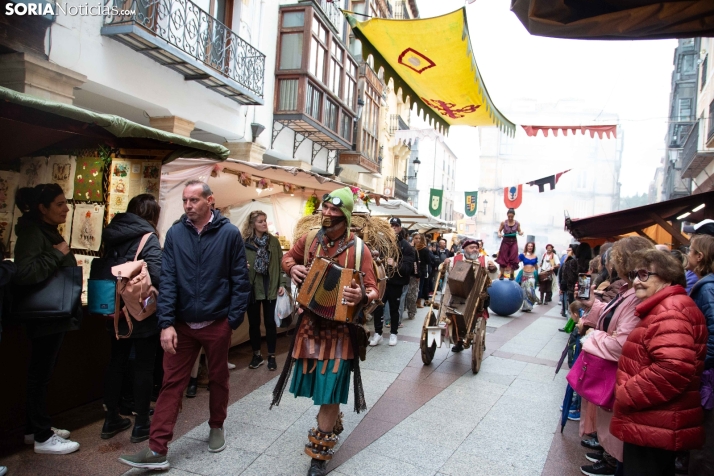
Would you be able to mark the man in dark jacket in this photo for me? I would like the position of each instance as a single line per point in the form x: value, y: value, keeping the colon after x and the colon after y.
x: 395, y: 286
x: 203, y: 296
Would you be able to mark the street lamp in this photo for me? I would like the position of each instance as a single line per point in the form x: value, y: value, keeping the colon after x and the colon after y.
x: 485, y: 202
x: 416, y: 164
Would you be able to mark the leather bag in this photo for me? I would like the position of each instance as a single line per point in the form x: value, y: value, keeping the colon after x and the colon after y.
x: 58, y: 297
x: 594, y: 378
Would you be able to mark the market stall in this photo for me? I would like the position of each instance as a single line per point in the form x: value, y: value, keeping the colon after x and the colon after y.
x: 659, y: 222
x: 101, y: 161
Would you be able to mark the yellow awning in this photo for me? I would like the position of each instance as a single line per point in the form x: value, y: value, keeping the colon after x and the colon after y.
x: 431, y: 60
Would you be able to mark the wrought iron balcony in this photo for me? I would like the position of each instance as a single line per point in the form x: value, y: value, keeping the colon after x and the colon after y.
x: 396, y: 123
x: 695, y: 155
x: 180, y: 35
x: 399, y: 189
x: 332, y: 12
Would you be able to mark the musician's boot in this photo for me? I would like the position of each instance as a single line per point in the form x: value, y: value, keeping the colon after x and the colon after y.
x: 319, y: 448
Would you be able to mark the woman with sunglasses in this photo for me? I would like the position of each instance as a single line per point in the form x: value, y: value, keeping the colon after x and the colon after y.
x: 701, y: 263
x: 609, y: 325
x: 40, y: 250
x: 657, y: 403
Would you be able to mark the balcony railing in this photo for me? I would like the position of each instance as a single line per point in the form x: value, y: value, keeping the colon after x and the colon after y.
x: 183, y: 37
x: 695, y: 155
x: 332, y: 12
x: 396, y: 123
x: 400, y: 10
x: 399, y: 189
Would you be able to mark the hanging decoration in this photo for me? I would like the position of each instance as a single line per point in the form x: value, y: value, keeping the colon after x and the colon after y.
x: 245, y: 179
x: 88, y: 179
x: 263, y: 184
x: 61, y: 169
x: 437, y: 71
x: 471, y: 203
x: 513, y: 196
x: 289, y: 188
x: 532, y: 131
x: 549, y: 180
x: 311, y: 205
x: 435, y: 199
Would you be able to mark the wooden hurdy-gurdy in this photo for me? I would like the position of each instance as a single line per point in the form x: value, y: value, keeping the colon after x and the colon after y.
x: 322, y: 291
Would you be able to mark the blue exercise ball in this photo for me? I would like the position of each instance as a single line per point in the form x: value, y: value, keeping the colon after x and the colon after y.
x: 506, y: 297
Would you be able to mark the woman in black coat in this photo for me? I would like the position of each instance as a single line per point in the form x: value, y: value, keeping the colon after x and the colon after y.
x: 122, y: 236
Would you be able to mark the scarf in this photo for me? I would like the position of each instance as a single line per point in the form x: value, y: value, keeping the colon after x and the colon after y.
x: 420, y: 246
x: 262, y: 258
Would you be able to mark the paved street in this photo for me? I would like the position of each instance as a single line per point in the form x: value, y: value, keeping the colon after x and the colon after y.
x: 421, y: 420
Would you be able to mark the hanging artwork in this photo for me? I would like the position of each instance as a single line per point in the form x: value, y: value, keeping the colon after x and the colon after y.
x: 62, y: 169
x: 471, y: 204
x: 65, y: 229
x: 8, y: 186
x: 33, y: 171
x: 119, y: 186
x: 150, y: 177
x: 86, y: 263
x: 88, y: 179
x: 87, y: 226
x: 5, y: 228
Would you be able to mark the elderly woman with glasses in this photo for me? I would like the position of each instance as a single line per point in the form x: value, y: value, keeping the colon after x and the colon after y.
x: 657, y: 404
x: 610, y: 324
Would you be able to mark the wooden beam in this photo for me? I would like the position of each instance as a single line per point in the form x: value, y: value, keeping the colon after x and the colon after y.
x: 645, y: 235
x: 146, y: 152
x: 676, y: 235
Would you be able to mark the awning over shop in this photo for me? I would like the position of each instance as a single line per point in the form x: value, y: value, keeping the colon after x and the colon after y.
x: 615, y: 19
x: 648, y: 220
x: 431, y: 60
x: 31, y: 127
x: 410, y: 217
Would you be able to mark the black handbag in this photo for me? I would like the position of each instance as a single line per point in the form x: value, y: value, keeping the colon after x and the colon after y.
x: 58, y: 297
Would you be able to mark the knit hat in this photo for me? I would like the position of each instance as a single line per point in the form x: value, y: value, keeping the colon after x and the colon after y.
x: 348, y: 202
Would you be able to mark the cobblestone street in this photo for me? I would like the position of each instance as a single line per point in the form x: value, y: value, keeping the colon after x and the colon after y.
x: 421, y: 420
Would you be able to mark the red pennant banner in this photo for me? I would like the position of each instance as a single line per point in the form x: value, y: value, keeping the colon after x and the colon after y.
x: 513, y: 196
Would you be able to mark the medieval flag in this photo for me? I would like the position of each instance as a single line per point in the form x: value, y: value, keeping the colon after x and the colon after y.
x: 551, y: 180
x: 435, y: 199
x: 471, y: 204
x: 513, y: 196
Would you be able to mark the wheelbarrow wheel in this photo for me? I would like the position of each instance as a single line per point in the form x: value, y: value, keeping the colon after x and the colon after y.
x: 427, y: 352
x: 479, y: 345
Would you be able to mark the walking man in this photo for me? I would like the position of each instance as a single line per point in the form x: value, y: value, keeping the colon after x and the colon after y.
x: 395, y: 286
x: 203, y: 295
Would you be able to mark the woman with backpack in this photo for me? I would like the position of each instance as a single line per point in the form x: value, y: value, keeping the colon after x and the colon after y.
x: 122, y: 238
x: 39, y: 252
x: 267, y: 281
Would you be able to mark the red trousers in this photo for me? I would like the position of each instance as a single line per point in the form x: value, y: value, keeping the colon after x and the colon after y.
x: 215, y: 340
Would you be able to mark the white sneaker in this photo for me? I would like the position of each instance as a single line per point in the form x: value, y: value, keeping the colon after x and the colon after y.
x: 375, y: 340
x: 393, y: 339
x: 30, y: 439
x: 3, y: 470
x: 231, y: 366
x: 56, y: 446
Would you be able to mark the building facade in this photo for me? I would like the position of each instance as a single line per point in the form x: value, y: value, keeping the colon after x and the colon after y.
x: 682, y: 110
x: 698, y: 150
x: 589, y: 188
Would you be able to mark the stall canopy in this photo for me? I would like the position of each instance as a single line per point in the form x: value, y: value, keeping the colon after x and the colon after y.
x: 616, y: 19
x: 437, y: 70
x: 652, y: 221
x: 410, y: 217
x: 32, y: 127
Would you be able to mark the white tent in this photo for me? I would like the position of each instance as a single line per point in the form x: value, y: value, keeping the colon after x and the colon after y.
x: 410, y: 217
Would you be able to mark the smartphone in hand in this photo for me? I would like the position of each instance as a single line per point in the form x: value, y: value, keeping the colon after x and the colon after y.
x: 584, y: 286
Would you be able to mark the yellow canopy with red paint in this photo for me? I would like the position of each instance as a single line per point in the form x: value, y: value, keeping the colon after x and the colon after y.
x: 432, y: 61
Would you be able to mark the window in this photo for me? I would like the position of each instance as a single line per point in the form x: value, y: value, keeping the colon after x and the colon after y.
x: 370, y: 121
x: 293, y: 19
x: 581, y: 182
x: 312, y: 102
x: 336, y: 68
x: 684, y: 109
x: 346, y: 126
x: 687, y: 64
x: 703, y: 79
x: 291, y: 51
x: 711, y: 120
x: 351, y: 85
x: 318, y: 50
x: 330, y: 117
x: 288, y: 95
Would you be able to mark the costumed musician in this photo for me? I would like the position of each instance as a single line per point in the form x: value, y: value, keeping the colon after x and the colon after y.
x: 325, y: 351
x: 470, y: 251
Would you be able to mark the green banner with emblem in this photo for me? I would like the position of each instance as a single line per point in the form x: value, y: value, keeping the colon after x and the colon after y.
x: 471, y: 203
x: 435, y: 199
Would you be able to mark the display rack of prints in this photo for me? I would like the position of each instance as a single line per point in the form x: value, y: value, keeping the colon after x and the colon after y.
x: 61, y: 169
x: 87, y: 226
x: 88, y: 179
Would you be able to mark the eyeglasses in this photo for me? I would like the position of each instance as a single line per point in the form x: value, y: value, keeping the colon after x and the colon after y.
x: 336, y: 201
x: 642, y: 274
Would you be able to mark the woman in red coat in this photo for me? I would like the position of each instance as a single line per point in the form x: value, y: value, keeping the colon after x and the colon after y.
x: 657, y: 407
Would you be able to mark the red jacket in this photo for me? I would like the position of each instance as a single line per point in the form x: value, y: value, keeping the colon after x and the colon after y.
x: 657, y: 400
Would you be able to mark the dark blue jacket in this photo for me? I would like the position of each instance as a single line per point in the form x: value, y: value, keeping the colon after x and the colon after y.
x: 703, y: 295
x: 203, y: 278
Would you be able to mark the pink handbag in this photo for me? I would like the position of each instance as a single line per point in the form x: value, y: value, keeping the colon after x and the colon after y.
x: 593, y: 378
